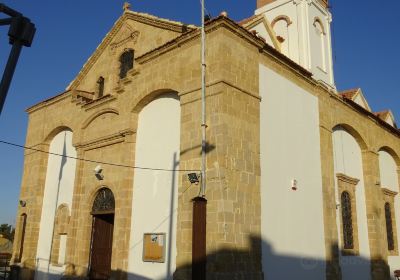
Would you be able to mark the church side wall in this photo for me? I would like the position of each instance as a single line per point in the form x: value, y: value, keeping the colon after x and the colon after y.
x: 348, y: 161
x: 292, y: 224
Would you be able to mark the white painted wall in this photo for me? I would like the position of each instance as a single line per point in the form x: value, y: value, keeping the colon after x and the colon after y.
x: 389, y: 180
x: 260, y: 28
x: 320, y: 52
x: 59, y: 188
x: 360, y: 101
x: 292, y: 227
x: 348, y: 160
x: 390, y: 121
x: 281, y: 29
x: 63, y: 247
x: 303, y: 45
x: 155, y: 193
x: 291, y: 46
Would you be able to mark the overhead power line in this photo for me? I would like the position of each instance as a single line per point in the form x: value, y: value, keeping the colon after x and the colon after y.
x: 96, y: 161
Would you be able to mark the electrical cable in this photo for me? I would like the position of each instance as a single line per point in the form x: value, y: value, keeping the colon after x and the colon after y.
x: 96, y: 161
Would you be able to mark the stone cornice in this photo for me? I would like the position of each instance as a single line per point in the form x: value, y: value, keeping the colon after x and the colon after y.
x: 104, y: 141
x: 388, y: 192
x: 99, y: 50
x: 219, y: 22
x: 99, y: 102
x: 359, y: 109
x: 140, y: 17
x: 347, y: 179
x: 48, y: 102
x: 160, y: 22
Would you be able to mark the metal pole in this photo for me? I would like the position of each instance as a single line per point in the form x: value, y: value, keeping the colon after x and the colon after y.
x: 203, y: 103
x: 9, y: 72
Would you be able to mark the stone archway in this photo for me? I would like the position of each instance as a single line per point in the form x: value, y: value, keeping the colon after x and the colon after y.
x: 103, y: 210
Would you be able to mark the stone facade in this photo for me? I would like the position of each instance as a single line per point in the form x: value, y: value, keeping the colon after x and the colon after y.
x: 104, y: 130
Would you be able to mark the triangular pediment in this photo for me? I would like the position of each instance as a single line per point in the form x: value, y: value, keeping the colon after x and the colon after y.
x: 356, y: 95
x: 137, y: 31
x: 387, y: 116
x: 360, y: 100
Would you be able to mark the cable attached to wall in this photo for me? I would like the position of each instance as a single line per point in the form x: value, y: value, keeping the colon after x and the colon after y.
x: 96, y: 161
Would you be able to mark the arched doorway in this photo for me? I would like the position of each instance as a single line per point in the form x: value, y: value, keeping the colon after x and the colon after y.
x: 102, y: 235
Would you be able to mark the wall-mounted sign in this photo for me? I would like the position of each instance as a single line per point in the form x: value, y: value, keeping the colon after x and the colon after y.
x: 154, y: 247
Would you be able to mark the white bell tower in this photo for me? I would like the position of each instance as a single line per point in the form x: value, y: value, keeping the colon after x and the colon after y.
x: 303, y: 29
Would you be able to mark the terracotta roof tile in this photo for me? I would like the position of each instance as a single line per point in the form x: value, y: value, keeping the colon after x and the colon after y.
x: 349, y: 93
x: 382, y: 114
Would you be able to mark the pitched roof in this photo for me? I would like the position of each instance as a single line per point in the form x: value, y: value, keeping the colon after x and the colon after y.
x: 349, y: 93
x: 383, y: 114
x: 356, y: 95
x: 387, y: 116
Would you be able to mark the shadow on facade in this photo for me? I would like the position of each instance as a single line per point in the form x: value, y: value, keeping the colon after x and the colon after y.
x: 247, y: 264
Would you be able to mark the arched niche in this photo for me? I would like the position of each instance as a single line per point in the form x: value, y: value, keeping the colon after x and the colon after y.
x: 141, y: 103
x: 58, y: 191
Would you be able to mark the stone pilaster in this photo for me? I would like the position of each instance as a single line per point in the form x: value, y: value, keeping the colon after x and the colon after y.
x: 375, y: 216
x: 333, y: 270
x: 32, y: 189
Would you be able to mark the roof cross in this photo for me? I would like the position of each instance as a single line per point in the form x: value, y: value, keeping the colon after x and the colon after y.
x: 127, y: 6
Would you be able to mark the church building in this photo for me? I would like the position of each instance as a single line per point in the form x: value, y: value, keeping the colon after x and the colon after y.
x: 302, y: 180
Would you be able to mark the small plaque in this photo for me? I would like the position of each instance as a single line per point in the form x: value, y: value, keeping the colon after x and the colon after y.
x: 154, y: 247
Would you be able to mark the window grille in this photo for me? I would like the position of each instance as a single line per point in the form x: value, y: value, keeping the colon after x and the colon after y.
x: 389, y: 226
x: 104, y: 201
x: 347, y: 221
x: 126, y: 63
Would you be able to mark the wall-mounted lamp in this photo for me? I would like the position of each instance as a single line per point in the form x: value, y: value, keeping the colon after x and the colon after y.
x: 22, y: 203
x: 194, y: 178
x: 97, y: 172
x: 294, y: 184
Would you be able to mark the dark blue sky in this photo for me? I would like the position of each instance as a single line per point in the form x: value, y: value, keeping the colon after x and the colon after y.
x: 366, y: 54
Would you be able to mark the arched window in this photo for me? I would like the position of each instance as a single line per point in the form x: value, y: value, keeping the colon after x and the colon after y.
x: 347, y: 221
x: 389, y: 227
x: 100, y: 87
x: 126, y: 63
x: 320, y: 52
x: 104, y: 202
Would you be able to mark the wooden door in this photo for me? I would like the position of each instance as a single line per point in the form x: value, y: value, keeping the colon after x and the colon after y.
x: 101, y: 247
